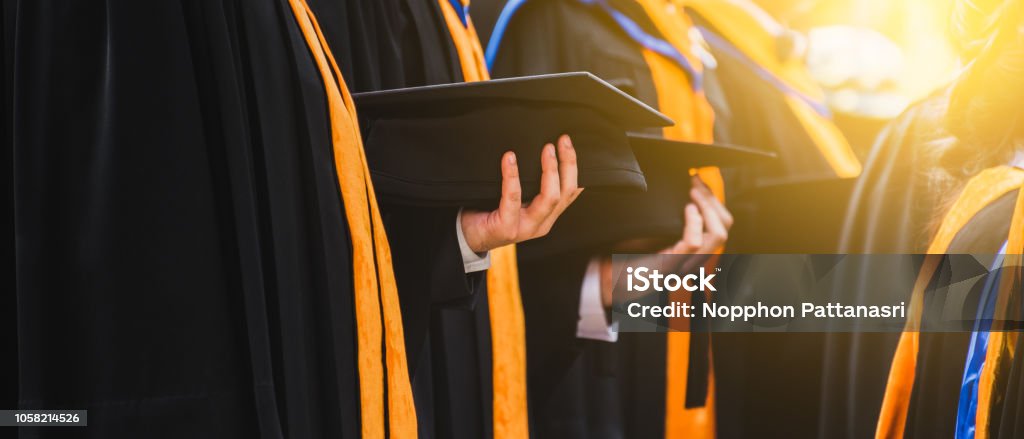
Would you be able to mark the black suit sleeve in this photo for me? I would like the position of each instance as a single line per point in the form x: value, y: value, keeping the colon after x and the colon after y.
x: 428, y: 267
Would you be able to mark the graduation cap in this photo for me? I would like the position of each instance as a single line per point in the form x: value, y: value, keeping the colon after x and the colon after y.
x: 695, y: 155
x: 598, y: 222
x: 442, y: 144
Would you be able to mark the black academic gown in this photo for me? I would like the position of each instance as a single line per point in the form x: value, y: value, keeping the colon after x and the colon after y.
x: 182, y: 260
x: 582, y: 388
x: 387, y: 44
x: 768, y: 383
x: 891, y: 210
x: 8, y: 300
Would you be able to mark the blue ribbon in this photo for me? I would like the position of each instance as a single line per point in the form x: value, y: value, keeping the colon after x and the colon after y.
x: 461, y: 10
x: 651, y: 42
x: 632, y: 29
x: 500, y: 27
x: 967, y: 409
x: 720, y: 43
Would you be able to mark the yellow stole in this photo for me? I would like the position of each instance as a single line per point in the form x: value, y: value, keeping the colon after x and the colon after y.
x: 695, y: 123
x: 508, y: 327
x: 982, y: 190
x: 376, y: 297
x: 753, y: 32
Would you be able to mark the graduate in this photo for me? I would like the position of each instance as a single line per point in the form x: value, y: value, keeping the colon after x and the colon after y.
x: 580, y: 384
x: 898, y: 207
x: 772, y: 101
x: 882, y: 220
x: 466, y: 354
x: 200, y: 251
x: 769, y: 100
x: 968, y: 384
x: 197, y: 254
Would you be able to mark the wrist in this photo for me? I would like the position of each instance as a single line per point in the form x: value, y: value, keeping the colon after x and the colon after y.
x: 471, y: 232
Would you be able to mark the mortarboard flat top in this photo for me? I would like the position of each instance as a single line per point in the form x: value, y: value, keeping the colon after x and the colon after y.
x: 681, y: 155
x: 441, y: 145
x: 574, y: 88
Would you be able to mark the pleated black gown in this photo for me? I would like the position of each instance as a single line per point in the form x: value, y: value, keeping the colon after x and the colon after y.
x: 182, y: 257
x: 387, y: 44
x: 585, y: 388
x: 891, y: 210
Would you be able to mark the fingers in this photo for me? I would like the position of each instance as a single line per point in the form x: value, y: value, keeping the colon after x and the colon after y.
x: 693, y: 232
x: 567, y: 169
x: 720, y: 208
x: 567, y: 172
x: 507, y: 215
x: 716, y: 232
x: 543, y: 205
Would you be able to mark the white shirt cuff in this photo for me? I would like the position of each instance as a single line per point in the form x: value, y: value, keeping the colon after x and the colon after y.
x: 593, y: 323
x: 471, y: 261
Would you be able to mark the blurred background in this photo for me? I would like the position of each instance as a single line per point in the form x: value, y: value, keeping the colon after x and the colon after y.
x: 873, y: 57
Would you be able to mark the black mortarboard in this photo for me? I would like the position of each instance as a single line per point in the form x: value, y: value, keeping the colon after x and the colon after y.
x: 693, y: 154
x: 597, y: 222
x: 442, y: 144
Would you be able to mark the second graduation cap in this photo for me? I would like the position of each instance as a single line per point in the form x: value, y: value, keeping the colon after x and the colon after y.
x: 442, y: 145
x: 599, y: 222
x: 678, y: 154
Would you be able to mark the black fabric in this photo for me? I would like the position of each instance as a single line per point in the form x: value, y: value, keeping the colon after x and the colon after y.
x: 754, y: 112
x: 699, y: 357
x: 760, y: 117
x: 573, y: 384
x: 767, y: 384
x: 776, y: 396
x: 182, y: 253
x: 563, y: 36
x: 388, y: 44
x: 942, y: 355
x: 485, y: 14
x: 861, y: 131
x: 550, y: 304
x: 595, y: 389
x: 412, y: 158
x: 1010, y: 414
x: 8, y: 301
x: 392, y: 44
x: 891, y: 210
x: 567, y: 36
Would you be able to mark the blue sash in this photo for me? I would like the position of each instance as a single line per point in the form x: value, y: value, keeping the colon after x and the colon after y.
x: 966, y: 414
x: 720, y: 43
